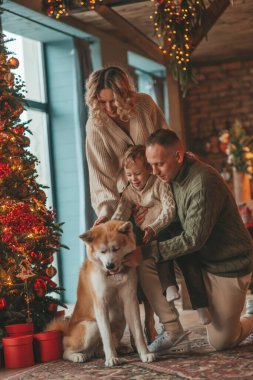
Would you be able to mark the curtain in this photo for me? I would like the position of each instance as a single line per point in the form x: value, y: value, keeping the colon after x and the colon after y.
x: 158, y: 84
x: 83, y: 69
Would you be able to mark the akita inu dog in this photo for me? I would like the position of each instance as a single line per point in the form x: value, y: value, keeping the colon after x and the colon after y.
x: 106, y: 298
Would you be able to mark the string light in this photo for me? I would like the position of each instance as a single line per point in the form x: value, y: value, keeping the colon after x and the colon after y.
x: 173, y: 21
x: 60, y: 8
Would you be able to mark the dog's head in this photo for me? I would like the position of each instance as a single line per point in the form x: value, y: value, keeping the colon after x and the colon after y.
x: 108, y: 243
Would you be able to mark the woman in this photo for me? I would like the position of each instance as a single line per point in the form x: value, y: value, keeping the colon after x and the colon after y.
x: 119, y: 117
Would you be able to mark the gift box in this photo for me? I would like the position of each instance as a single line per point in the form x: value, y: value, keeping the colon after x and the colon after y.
x: 19, y: 329
x: 48, y: 346
x: 18, y: 351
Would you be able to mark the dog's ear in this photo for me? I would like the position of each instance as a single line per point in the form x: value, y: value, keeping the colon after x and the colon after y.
x: 87, y: 237
x: 126, y: 228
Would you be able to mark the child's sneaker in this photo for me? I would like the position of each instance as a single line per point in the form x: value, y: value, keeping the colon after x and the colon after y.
x: 249, y: 307
x: 165, y: 342
x: 172, y: 293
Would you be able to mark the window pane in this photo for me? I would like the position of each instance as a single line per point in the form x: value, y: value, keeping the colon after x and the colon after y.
x: 28, y: 52
x: 39, y: 147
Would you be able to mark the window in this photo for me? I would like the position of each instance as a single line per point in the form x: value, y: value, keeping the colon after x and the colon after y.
x: 30, y: 56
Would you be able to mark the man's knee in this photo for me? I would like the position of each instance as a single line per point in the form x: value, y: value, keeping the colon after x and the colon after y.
x: 220, y: 343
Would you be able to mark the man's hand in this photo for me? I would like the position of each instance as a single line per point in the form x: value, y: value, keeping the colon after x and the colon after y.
x: 149, y: 234
x: 139, y: 214
x: 100, y: 220
x: 134, y: 258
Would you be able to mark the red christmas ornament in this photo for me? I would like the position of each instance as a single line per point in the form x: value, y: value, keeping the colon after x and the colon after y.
x: 2, y: 303
x: 51, y: 271
x: 13, y: 62
x: 19, y: 129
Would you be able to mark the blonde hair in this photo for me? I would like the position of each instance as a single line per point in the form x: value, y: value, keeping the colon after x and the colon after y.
x: 116, y: 79
x: 135, y: 152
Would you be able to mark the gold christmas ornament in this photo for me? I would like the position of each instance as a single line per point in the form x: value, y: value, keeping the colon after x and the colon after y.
x: 13, y: 62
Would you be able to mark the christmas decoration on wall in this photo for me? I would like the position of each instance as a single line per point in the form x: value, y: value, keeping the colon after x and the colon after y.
x: 238, y: 146
x: 174, y: 21
x: 29, y: 233
x: 59, y: 8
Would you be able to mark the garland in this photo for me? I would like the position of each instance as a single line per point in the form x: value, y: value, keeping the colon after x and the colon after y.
x: 59, y: 8
x: 174, y: 21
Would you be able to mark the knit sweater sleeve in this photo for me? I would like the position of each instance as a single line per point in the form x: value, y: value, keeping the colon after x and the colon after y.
x: 124, y: 209
x: 168, y: 207
x: 201, y: 213
x: 103, y: 189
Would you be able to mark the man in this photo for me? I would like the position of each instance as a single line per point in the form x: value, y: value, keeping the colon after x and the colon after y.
x: 212, y: 227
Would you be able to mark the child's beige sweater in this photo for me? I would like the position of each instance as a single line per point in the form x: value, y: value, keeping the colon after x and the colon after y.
x: 156, y: 196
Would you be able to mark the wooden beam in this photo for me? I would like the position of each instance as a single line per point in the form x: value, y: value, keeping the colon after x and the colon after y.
x: 213, y: 12
x: 131, y: 33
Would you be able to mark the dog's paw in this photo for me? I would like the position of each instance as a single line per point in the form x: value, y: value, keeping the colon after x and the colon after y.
x: 113, y: 361
x: 76, y: 357
x: 124, y: 349
x: 148, y: 357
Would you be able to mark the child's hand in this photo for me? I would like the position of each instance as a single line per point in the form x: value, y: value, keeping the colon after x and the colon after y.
x: 149, y: 234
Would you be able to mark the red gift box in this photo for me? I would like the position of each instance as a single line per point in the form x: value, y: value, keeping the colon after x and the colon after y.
x: 18, y: 351
x: 48, y: 346
x: 19, y: 329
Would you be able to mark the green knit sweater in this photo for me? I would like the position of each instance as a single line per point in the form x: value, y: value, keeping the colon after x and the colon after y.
x: 212, y: 225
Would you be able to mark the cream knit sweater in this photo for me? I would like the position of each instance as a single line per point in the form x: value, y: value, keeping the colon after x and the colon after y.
x: 156, y: 196
x: 105, y: 147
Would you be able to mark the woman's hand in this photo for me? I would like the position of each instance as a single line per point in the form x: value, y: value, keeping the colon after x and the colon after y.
x: 139, y: 214
x: 100, y: 220
x: 134, y: 258
x: 149, y: 234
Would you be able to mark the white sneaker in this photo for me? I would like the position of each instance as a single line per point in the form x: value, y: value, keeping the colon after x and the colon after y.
x: 165, y: 342
x: 172, y: 293
x: 249, y: 307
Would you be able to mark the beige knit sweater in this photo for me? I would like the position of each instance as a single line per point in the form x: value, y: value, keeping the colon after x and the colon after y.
x: 105, y: 147
x: 156, y: 196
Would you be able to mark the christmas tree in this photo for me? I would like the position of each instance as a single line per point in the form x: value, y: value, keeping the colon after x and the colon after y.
x: 29, y: 234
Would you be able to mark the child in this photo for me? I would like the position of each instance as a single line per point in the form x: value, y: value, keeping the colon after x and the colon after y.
x: 148, y: 191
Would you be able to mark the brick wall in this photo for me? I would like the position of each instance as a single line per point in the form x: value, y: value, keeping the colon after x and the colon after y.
x: 224, y: 92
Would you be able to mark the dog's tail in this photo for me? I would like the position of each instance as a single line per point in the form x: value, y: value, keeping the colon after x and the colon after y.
x: 59, y: 324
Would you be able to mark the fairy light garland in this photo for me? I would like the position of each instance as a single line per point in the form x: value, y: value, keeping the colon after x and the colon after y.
x: 60, y: 8
x: 173, y: 22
